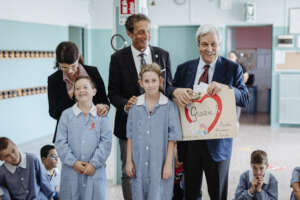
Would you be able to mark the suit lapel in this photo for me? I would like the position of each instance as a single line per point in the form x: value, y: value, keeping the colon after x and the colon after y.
x: 192, y: 73
x: 130, y: 61
x: 219, y: 72
x: 154, y: 56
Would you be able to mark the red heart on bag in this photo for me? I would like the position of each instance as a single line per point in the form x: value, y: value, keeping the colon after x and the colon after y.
x: 217, y: 99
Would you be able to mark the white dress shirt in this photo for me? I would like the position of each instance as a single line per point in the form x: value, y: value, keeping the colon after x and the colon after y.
x: 200, y: 70
x: 137, y: 58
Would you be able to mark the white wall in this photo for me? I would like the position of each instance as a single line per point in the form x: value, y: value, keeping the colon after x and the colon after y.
x: 166, y: 12
x: 99, y: 13
x: 57, y: 12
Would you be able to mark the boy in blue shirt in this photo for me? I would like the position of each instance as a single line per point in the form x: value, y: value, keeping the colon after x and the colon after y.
x: 22, y: 174
x: 50, y: 160
x: 257, y: 183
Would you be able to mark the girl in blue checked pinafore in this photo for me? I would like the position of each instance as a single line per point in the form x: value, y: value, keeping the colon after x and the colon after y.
x: 153, y: 127
x: 83, y: 144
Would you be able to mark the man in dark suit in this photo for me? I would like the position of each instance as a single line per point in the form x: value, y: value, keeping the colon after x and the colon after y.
x: 210, y: 156
x: 123, y: 87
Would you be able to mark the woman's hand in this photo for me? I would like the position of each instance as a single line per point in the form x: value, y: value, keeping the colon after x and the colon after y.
x: 102, y: 109
x: 71, y: 93
x: 130, y: 171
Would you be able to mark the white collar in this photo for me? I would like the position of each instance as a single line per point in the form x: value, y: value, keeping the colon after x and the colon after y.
x: 211, y: 65
x: 266, y: 176
x: 162, y: 99
x: 12, y: 168
x: 136, y: 52
x: 77, y: 110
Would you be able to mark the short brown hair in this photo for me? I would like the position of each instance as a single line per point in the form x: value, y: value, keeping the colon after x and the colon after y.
x: 87, y: 78
x: 259, y: 157
x: 129, y: 24
x: 4, y: 142
x: 150, y: 68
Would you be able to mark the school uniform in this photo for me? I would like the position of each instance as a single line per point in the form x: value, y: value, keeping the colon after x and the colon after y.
x: 28, y: 180
x: 4, y: 194
x: 269, y: 188
x: 88, y: 138
x: 55, y: 182
x: 150, y: 134
x: 295, y: 179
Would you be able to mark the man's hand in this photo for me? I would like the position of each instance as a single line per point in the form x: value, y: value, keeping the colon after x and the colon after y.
x: 130, y: 102
x: 79, y: 166
x: 102, y: 109
x: 183, y: 96
x: 214, y: 88
x: 89, y: 169
x: 167, y: 170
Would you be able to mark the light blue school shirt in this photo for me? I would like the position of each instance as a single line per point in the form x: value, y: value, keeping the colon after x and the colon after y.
x: 269, y: 188
x: 4, y: 194
x: 295, y: 179
x: 86, y: 138
x: 28, y: 180
x: 150, y: 134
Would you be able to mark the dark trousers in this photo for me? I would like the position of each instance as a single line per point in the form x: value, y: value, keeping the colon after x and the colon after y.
x: 198, y: 160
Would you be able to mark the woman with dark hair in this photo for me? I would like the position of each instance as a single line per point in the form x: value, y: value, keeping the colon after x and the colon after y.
x: 61, y: 83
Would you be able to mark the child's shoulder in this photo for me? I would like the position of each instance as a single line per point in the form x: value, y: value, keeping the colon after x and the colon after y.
x: 272, y: 180
x: 68, y: 111
x: 246, y: 174
x: 296, y: 170
x: 31, y: 157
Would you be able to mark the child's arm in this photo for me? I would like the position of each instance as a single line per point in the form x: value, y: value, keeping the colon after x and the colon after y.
x: 242, y: 191
x: 43, y: 179
x: 104, y: 146
x: 130, y: 171
x: 168, y: 167
x: 271, y: 193
x: 61, y: 143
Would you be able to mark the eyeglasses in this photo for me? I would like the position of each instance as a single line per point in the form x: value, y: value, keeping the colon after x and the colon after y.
x: 53, y: 156
x: 66, y: 67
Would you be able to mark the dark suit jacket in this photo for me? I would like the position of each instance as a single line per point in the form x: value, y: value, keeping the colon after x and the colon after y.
x: 59, y: 99
x: 123, y: 82
x: 226, y: 72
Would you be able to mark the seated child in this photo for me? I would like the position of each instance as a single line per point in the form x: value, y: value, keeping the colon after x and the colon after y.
x: 295, y: 184
x: 257, y: 183
x: 22, y: 174
x: 49, y: 158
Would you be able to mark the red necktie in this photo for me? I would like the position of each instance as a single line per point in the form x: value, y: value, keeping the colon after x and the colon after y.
x: 204, y: 75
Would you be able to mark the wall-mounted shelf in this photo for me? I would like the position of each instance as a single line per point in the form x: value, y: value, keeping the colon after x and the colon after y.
x: 12, y: 54
x: 7, y: 94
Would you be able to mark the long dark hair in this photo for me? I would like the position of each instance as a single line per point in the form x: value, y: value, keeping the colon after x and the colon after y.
x: 67, y: 52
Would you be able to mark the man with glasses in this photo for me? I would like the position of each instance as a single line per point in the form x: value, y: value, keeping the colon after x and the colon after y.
x: 123, y: 86
x: 209, y: 156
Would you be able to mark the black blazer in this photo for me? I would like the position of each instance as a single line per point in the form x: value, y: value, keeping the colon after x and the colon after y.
x: 59, y: 99
x: 123, y: 81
